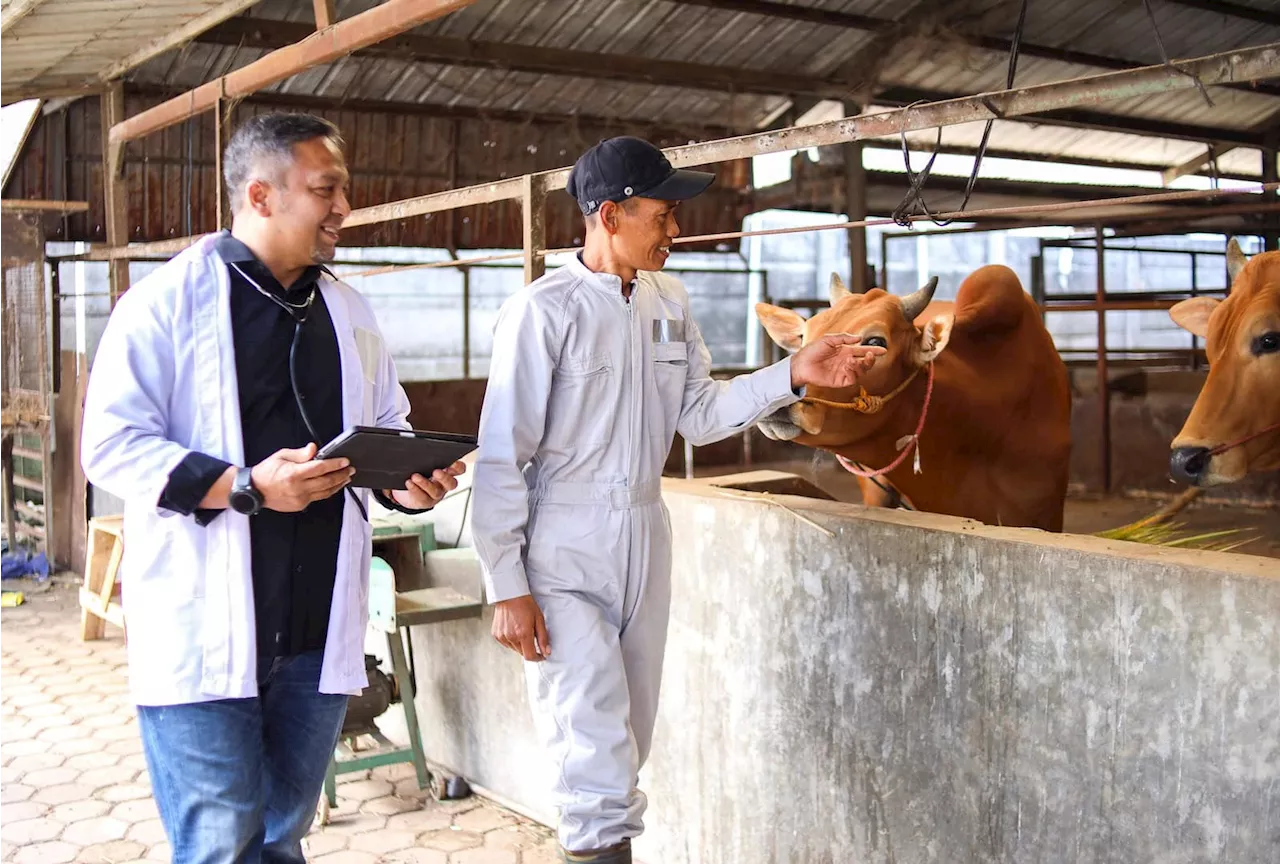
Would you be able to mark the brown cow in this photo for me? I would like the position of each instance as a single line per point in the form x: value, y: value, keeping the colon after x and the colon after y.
x: 996, y: 438
x: 1234, y: 427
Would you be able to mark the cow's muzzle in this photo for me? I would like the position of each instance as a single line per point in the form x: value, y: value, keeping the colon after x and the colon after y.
x: 793, y: 421
x: 778, y: 426
x: 1189, y: 464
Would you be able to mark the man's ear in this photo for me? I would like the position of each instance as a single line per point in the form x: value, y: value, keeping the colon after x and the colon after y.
x: 608, y: 215
x: 255, y: 195
x: 784, y: 326
x: 1193, y: 315
x: 934, y: 337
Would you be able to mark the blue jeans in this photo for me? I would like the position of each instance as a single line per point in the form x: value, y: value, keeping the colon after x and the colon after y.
x: 237, y: 781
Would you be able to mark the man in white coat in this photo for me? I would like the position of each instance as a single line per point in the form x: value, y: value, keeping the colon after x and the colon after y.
x: 246, y: 563
x: 595, y: 367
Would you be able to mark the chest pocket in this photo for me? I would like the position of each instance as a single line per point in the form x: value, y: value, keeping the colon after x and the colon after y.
x: 670, y: 367
x: 583, y: 390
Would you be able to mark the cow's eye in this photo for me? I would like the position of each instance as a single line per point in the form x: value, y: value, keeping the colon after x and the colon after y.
x: 1267, y: 343
x: 875, y: 342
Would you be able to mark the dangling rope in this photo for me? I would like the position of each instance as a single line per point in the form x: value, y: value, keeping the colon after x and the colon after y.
x: 1164, y: 55
x: 915, y: 192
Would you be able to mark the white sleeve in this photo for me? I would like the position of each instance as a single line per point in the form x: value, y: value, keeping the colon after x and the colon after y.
x: 713, y: 409
x: 124, y: 447
x: 526, y: 343
x: 393, y: 405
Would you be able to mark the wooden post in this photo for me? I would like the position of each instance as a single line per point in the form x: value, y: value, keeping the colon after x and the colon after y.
x: 534, y: 199
x: 324, y: 13
x: 46, y: 432
x: 115, y: 198
x: 10, y: 503
x: 855, y: 205
x: 70, y: 489
x: 1104, y: 392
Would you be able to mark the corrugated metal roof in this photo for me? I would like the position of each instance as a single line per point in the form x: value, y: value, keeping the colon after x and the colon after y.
x: 58, y: 44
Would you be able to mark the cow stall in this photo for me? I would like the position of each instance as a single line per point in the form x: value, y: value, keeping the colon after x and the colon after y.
x: 881, y: 686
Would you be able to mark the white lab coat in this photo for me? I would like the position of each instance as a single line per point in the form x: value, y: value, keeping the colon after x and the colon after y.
x: 164, y: 384
x: 586, y: 392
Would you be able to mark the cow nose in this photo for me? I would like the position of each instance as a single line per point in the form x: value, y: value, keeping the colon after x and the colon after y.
x: 1189, y: 463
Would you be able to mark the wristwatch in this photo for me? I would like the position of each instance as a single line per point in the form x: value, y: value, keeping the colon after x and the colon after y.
x: 244, y: 497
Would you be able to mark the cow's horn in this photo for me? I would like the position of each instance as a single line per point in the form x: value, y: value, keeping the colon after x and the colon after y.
x: 838, y: 291
x: 913, y: 304
x: 1235, y: 258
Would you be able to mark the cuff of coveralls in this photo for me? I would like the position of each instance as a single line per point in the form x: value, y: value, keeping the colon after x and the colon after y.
x: 505, y: 585
x: 779, y: 386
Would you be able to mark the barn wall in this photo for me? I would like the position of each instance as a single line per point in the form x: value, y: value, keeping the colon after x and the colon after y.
x: 920, y: 688
x: 392, y: 155
x: 1148, y: 409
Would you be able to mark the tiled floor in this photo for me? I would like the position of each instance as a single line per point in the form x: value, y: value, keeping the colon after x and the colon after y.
x: 73, y: 786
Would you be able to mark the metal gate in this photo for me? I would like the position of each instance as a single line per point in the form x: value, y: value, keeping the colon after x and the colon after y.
x: 25, y: 385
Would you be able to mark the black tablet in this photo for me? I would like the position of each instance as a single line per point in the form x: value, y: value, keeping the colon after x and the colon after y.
x: 386, y: 458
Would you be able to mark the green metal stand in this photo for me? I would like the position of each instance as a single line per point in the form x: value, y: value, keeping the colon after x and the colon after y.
x: 394, y: 612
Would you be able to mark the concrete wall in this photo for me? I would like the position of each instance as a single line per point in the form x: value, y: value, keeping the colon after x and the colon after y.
x: 1148, y: 408
x: 914, y: 688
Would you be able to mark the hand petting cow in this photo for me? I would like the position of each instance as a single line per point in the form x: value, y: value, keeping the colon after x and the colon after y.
x: 1234, y: 427
x: 967, y: 414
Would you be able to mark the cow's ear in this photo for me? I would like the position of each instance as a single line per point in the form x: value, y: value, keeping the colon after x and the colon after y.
x: 784, y: 326
x: 934, y: 337
x: 1193, y: 315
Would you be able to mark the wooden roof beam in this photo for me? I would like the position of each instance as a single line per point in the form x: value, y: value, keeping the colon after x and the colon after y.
x: 322, y: 46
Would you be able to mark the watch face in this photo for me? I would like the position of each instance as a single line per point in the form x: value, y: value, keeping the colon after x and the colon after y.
x: 244, y: 501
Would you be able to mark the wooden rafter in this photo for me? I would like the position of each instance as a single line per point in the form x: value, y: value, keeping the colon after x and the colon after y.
x: 322, y: 46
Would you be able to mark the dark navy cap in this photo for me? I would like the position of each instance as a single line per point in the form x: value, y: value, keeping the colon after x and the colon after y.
x: 626, y: 167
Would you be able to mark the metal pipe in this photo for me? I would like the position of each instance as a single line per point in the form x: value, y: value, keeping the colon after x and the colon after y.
x: 466, y: 322
x: 1195, y: 290
x: 1244, y: 65
x: 1112, y: 306
x: 1104, y: 392
x: 456, y: 198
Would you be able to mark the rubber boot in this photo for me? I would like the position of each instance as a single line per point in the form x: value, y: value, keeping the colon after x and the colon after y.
x: 617, y: 854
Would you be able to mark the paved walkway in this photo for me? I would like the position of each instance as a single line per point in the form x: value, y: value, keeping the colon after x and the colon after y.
x: 73, y: 786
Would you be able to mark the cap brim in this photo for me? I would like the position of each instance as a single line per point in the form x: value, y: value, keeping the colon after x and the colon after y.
x: 680, y: 186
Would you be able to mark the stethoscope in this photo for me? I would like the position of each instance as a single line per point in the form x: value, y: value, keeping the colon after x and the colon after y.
x: 299, y: 312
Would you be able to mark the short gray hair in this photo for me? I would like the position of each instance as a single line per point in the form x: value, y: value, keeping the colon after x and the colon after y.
x: 269, y: 136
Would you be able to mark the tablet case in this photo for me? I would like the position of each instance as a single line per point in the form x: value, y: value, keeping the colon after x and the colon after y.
x: 386, y: 458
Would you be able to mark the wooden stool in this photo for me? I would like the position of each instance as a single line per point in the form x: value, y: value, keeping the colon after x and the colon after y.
x: 98, y: 604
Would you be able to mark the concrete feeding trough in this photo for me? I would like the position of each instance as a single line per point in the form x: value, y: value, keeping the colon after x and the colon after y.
x: 845, y: 684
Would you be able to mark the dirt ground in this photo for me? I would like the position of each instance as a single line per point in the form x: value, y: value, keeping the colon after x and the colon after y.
x: 1085, y: 514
